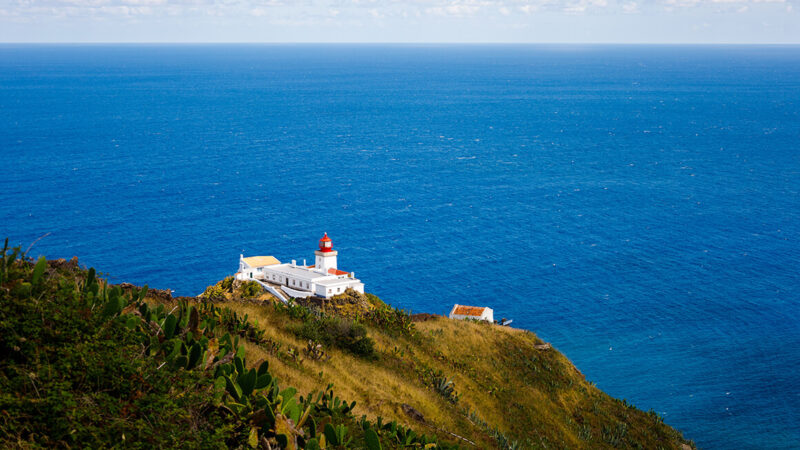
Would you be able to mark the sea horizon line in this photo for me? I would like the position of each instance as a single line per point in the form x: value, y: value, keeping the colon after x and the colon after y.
x: 399, y: 43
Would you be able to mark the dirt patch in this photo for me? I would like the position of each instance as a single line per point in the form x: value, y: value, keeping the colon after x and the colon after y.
x: 424, y: 317
x: 413, y: 413
x: 62, y: 263
x: 162, y: 295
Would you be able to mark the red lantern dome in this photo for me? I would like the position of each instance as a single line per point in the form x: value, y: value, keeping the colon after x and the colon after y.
x: 325, y: 244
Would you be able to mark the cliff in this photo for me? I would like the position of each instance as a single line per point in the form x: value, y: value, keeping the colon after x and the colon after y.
x: 85, y: 363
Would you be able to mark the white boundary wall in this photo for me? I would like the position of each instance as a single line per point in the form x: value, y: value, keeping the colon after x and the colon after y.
x: 272, y: 291
x: 295, y: 293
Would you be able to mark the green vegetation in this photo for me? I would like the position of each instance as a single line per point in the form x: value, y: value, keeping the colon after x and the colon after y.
x: 230, y: 289
x: 445, y: 387
x: 334, y: 331
x: 84, y: 363
x: 73, y: 371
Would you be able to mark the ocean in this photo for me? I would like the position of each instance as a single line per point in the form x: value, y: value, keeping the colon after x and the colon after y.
x: 637, y: 206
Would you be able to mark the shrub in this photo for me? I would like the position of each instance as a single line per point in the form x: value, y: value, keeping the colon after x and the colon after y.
x: 250, y: 289
x: 445, y: 387
x: 315, y: 352
x: 226, y: 284
x: 375, y: 300
x: 342, y: 333
x: 391, y: 319
x: 212, y: 293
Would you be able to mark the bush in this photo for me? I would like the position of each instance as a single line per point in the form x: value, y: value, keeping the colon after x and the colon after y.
x: 213, y: 293
x: 445, y: 387
x: 391, y: 319
x: 250, y: 289
x: 226, y: 284
x: 342, y: 333
x: 374, y: 300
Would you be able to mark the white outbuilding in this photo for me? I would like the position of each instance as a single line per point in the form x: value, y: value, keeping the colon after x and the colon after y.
x: 462, y: 312
x: 323, y: 279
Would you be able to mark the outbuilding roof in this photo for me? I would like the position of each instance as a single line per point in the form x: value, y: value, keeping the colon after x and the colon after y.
x: 260, y: 261
x: 463, y: 310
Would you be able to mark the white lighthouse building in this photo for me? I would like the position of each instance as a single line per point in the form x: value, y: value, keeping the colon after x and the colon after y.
x: 323, y: 279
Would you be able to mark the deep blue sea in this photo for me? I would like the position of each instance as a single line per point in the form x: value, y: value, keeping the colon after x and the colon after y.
x: 637, y: 206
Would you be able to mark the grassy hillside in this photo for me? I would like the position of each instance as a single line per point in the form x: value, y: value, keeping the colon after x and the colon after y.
x: 508, y: 386
x: 83, y: 363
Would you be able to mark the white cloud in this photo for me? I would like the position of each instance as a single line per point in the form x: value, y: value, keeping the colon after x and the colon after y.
x: 507, y: 12
x: 630, y: 7
x: 144, y: 2
x: 696, y: 3
x: 455, y: 9
x: 582, y: 6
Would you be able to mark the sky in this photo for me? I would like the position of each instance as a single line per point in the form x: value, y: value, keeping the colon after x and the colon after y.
x: 413, y: 21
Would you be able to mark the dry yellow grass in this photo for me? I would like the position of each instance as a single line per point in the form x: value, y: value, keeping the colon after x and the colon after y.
x: 377, y: 389
x: 536, y: 397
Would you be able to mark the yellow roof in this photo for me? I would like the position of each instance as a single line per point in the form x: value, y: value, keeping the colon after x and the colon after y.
x: 260, y: 261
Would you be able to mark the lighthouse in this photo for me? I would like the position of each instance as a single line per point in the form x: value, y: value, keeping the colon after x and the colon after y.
x: 326, y: 255
x: 324, y: 279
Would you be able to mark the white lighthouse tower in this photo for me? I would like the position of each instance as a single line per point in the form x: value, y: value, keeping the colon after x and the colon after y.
x: 326, y: 255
